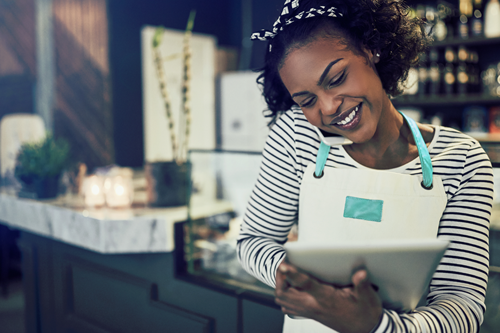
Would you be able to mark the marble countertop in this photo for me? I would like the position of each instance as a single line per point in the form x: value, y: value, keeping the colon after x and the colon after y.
x: 111, y: 231
x: 104, y: 230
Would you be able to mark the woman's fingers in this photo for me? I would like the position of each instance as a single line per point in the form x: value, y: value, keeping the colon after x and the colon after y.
x: 295, y: 278
x: 281, y: 283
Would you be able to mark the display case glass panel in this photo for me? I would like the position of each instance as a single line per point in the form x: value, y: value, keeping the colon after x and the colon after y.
x: 221, y: 184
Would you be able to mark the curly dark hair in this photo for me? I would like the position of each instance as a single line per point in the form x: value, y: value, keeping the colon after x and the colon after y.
x: 384, y: 26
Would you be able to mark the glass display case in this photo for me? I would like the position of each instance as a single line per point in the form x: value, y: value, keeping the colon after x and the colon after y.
x: 221, y: 184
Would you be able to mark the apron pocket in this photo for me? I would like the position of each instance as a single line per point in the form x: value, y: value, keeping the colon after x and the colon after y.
x: 363, y: 209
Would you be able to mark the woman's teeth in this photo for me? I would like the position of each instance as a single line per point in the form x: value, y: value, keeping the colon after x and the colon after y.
x: 349, y: 118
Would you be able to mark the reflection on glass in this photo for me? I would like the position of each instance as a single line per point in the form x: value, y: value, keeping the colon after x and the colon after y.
x: 222, y: 182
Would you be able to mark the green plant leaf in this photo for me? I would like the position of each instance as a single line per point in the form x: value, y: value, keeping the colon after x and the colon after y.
x: 42, y: 159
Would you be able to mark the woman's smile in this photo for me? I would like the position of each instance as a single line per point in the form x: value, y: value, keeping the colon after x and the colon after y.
x: 349, y: 119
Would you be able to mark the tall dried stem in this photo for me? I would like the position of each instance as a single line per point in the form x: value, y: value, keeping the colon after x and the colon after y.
x: 163, y: 88
x: 186, y: 87
x: 179, y: 151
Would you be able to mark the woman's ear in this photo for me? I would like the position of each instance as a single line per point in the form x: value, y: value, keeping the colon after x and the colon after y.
x: 373, y: 56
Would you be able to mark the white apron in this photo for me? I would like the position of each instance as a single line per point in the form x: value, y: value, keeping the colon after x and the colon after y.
x: 366, y: 204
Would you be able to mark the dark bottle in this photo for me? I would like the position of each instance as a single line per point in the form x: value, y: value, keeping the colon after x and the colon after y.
x: 449, y: 77
x: 422, y: 74
x: 454, y: 22
x: 477, y: 19
x: 463, y: 26
x: 474, y: 73
x: 465, y: 9
x: 434, y: 73
x: 450, y: 17
x: 462, y: 71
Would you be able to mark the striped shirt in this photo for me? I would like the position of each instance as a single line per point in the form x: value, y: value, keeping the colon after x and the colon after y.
x: 455, y: 302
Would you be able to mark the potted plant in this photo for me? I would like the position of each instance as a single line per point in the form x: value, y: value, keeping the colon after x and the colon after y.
x: 39, y: 166
x: 168, y: 180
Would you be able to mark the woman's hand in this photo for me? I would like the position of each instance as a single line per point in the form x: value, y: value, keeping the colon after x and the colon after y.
x: 353, y: 309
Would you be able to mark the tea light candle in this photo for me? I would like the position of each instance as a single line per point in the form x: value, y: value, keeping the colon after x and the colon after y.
x: 119, y: 191
x: 93, y: 191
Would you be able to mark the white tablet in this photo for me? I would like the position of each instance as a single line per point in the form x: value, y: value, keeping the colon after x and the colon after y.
x: 401, y: 270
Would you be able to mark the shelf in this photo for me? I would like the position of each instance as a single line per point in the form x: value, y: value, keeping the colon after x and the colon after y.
x: 473, y: 41
x: 486, y: 137
x: 495, y: 269
x: 445, y: 100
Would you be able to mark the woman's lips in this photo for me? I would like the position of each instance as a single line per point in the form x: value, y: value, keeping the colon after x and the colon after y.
x: 350, y: 120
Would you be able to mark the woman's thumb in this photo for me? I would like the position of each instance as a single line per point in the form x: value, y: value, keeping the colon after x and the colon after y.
x: 360, y: 280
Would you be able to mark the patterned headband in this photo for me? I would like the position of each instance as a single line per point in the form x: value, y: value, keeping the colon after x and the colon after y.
x: 291, y: 14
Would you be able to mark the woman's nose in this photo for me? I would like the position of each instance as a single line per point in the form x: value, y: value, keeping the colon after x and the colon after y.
x: 330, y: 105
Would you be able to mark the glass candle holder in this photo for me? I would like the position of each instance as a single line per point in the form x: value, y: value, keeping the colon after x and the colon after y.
x: 118, y: 188
x: 93, y: 193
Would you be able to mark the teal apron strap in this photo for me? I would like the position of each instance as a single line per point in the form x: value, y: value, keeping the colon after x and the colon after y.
x: 423, y: 153
x: 321, y: 158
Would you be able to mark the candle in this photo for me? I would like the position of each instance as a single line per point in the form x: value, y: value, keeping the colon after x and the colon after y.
x: 93, y: 191
x: 118, y: 188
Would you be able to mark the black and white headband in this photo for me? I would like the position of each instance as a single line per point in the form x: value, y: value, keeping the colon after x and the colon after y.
x: 292, y: 13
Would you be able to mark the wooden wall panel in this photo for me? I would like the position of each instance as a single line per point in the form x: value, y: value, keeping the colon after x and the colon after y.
x: 17, y: 56
x: 83, y: 113
x: 17, y: 32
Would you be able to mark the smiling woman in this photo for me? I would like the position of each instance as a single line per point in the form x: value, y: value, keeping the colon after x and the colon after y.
x: 331, y: 69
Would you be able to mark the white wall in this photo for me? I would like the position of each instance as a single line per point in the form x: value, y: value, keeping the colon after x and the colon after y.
x: 243, y: 126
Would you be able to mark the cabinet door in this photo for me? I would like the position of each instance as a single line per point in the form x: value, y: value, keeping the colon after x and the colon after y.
x: 261, y: 318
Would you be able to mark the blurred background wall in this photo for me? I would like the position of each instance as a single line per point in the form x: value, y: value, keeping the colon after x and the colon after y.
x: 78, y: 63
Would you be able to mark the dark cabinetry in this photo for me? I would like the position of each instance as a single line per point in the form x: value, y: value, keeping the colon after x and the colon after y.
x: 69, y: 289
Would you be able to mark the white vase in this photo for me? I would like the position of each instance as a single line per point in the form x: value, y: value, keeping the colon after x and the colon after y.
x: 492, y: 19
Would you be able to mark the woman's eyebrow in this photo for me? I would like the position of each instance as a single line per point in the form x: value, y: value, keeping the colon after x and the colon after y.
x: 321, y: 79
x: 327, y: 69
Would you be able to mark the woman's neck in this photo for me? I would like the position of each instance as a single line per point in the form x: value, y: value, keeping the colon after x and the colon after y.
x: 391, y: 146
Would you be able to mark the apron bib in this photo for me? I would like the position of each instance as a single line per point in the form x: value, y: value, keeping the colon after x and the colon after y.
x: 366, y: 204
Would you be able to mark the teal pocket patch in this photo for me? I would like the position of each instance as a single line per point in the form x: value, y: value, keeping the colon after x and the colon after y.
x: 363, y: 209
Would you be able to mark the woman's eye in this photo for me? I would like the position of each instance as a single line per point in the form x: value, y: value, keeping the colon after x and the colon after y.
x: 337, y: 81
x: 307, y: 103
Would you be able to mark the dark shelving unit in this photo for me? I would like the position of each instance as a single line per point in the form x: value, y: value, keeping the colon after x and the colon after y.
x: 472, y: 42
x: 433, y: 101
x: 450, y: 106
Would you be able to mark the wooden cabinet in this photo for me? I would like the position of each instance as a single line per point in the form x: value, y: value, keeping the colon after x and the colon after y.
x: 70, y: 289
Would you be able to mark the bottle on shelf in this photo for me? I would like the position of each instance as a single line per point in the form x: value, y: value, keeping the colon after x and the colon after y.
x: 474, y: 72
x: 462, y: 71
x: 492, y: 19
x: 449, y: 71
x: 452, y: 21
x: 465, y: 9
x: 434, y: 72
x: 477, y: 19
x: 489, y: 78
x: 422, y: 74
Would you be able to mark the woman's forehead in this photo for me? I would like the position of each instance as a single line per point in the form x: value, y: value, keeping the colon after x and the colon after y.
x: 318, y: 49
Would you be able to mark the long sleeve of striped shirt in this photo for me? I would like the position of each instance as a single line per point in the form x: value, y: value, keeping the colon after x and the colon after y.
x: 455, y: 302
